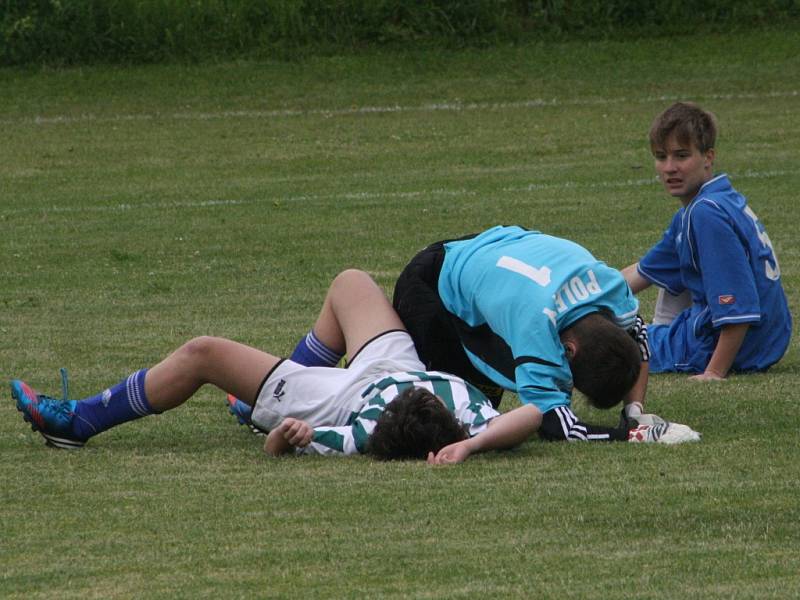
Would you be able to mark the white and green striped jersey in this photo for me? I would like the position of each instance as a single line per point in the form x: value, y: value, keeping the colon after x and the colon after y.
x: 470, y: 407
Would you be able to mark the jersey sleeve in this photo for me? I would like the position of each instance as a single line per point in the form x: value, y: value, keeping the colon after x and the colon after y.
x: 545, y: 385
x: 472, y: 409
x: 331, y: 441
x: 720, y: 257
x: 347, y: 439
x: 561, y: 424
x: 661, y: 265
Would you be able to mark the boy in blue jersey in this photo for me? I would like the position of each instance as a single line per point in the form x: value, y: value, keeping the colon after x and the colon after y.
x: 721, y: 305
x: 535, y: 314
x: 383, y: 403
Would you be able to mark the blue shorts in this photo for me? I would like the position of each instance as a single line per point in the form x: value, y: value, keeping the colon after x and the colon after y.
x: 675, y: 348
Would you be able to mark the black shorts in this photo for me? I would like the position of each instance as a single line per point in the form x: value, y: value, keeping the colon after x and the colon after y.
x: 433, y: 329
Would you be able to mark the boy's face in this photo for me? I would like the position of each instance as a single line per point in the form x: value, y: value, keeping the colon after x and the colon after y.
x: 682, y: 168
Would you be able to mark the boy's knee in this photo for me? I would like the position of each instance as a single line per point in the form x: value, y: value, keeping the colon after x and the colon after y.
x: 348, y: 283
x: 350, y: 276
x: 197, y: 349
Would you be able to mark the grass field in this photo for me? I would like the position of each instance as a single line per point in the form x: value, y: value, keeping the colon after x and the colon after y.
x: 141, y: 207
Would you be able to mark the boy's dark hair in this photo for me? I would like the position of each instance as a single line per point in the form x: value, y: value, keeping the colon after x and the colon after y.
x: 691, y: 125
x: 607, y: 362
x: 414, y: 423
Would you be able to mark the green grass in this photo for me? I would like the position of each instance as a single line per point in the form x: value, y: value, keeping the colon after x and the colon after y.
x: 141, y: 207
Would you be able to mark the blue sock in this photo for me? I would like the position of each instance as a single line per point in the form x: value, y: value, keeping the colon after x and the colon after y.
x: 310, y: 352
x: 124, y: 402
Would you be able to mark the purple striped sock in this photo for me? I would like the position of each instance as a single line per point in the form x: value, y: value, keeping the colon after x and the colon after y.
x: 124, y: 402
x: 310, y: 352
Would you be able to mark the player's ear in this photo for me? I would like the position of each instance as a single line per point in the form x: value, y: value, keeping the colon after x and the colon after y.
x: 570, y: 349
x: 709, y: 158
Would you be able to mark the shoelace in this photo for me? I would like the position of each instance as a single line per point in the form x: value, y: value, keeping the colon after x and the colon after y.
x: 64, y: 384
x: 62, y: 402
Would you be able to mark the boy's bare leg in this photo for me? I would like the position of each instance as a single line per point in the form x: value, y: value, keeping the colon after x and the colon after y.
x: 69, y: 424
x: 229, y: 365
x: 355, y: 311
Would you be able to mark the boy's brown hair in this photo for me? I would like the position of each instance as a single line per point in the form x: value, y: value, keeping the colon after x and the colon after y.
x: 608, y: 360
x: 691, y: 125
x: 414, y: 423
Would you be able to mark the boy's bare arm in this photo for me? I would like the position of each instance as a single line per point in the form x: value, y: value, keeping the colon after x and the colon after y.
x: 728, y: 344
x: 639, y: 389
x: 506, y: 431
x: 286, y: 436
x: 636, y: 282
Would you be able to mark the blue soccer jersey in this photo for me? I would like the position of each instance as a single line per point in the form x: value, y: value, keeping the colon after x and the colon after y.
x: 515, y: 290
x: 718, y: 250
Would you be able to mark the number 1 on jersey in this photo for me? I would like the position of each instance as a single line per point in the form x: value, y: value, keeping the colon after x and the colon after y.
x: 540, y: 275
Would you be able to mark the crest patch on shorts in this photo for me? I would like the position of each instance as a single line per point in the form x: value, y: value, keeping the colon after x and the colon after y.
x: 727, y: 299
x: 279, y: 391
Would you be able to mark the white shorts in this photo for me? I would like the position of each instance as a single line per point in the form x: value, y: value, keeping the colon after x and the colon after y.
x: 330, y: 395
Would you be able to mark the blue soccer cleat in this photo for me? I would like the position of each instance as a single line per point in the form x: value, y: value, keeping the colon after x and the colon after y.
x: 50, y: 417
x: 242, y: 412
x: 239, y: 409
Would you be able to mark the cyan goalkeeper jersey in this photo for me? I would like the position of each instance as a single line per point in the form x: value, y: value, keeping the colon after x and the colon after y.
x: 515, y: 290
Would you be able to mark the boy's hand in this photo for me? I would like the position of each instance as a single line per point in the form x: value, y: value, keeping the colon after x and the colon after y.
x: 707, y: 376
x: 290, y: 433
x: 296, y: 432
x: 454, y: 453
x: 633, y: 415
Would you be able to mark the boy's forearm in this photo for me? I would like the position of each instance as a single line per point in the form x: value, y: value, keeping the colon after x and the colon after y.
x: 639, y: 389
x: 508, y: 430
x: 635, y: 281
x: 728, y: 345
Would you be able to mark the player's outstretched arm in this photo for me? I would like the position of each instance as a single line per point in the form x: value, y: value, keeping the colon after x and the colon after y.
x: 289, y: 434
x: 505, y: 431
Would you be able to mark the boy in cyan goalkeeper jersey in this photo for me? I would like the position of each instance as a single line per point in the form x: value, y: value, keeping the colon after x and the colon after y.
x: 721, y: 305
x: 515, y: 309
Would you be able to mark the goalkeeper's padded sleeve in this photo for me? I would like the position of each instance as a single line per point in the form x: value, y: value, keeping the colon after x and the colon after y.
x: 561, y: 424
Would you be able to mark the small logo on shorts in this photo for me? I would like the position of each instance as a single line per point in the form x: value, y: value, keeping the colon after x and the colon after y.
x: 279, y: 392
x: 727, y: 299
